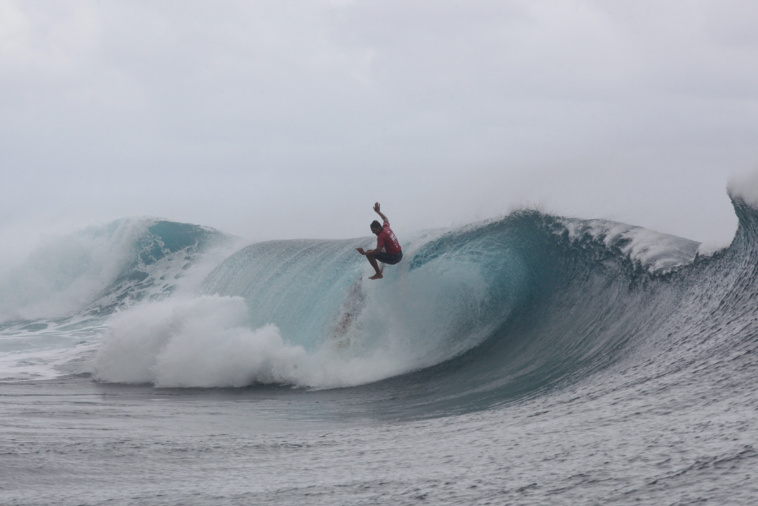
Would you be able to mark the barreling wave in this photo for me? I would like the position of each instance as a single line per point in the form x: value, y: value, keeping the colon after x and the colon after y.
x: 483, y: 313
x: 472, y: 317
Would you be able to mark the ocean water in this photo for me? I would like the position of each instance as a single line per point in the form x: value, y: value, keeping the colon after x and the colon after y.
x: 529, y: 359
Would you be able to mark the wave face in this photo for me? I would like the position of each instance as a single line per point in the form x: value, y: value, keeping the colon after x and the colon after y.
x: 472, y: 317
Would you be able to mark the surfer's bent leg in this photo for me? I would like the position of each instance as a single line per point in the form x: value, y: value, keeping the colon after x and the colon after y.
x: 375, y: 265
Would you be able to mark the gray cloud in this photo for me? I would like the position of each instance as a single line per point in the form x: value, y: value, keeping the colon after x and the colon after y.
x: 289, y: 119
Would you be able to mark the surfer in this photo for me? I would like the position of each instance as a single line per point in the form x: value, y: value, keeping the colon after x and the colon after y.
x: 388, y: 250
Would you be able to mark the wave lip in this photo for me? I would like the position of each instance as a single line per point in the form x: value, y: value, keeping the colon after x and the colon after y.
x: 654, y: 251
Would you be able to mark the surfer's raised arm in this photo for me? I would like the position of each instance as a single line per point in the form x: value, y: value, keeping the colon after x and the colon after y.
x: 379, y: 212
x: 388, y: 250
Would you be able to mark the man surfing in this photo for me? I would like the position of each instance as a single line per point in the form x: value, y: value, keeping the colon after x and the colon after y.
x: 388, y: 250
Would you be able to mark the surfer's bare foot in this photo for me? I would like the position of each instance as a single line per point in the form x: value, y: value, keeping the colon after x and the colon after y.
x: 377, y: 276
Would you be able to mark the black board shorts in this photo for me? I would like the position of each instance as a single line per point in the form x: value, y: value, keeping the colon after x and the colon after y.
x: 388, y: 258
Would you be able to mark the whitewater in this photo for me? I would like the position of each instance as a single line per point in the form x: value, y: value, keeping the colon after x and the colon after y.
x: 527, y: 359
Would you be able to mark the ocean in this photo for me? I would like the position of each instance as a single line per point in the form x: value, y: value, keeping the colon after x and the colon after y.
x: 529, y: 359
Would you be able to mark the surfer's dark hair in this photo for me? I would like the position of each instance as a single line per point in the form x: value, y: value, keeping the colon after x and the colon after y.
x: 375, y: 224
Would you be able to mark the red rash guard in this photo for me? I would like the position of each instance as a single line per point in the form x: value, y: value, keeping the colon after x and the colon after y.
x: 387, y: 240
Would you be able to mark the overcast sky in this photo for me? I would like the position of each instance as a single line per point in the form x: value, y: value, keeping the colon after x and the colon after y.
x: 288, y: 118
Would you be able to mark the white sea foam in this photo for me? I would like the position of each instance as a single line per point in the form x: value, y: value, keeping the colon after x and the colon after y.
x: 206, y: 341
x: 41, y: 356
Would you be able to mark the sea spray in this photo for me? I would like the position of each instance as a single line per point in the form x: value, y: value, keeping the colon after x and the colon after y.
x: 105, y: 267
x: 194, y: 342
x: 207, y: 341
x: 68, y: 272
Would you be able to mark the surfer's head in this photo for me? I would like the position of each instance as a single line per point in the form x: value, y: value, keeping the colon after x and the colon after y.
x: 376, y: 227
